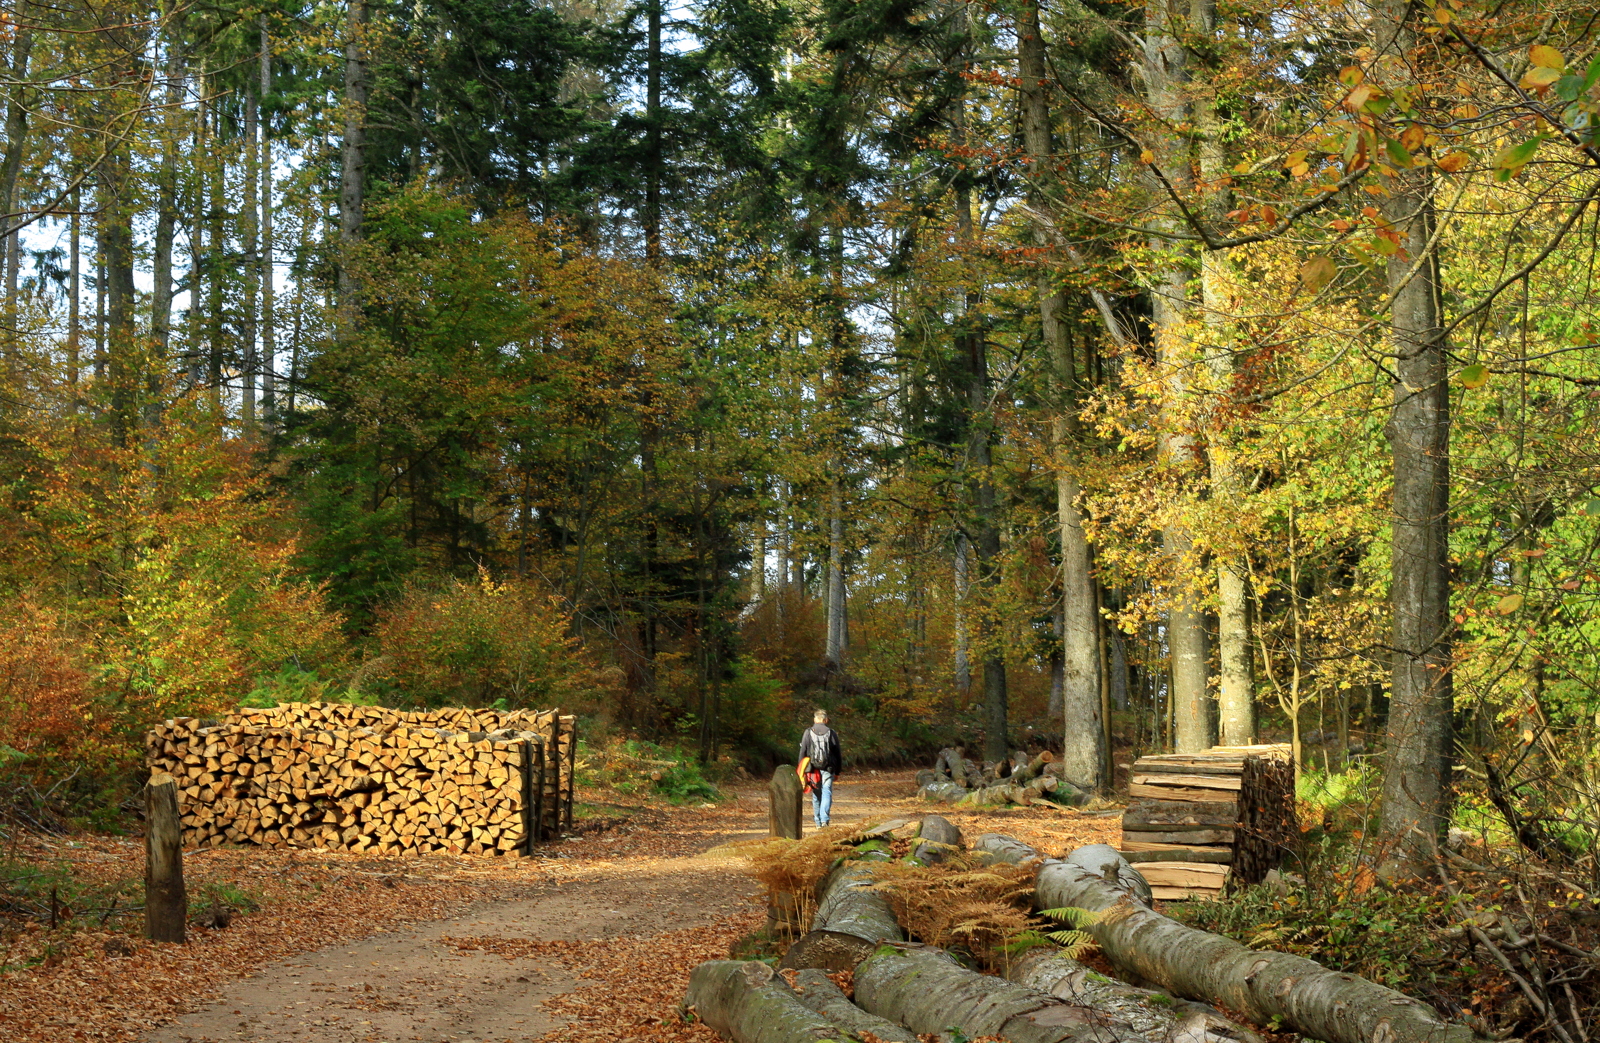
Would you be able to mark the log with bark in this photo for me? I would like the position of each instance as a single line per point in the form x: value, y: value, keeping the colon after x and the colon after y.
x: 927, y: 991
x: 1152, y: 1013
x: 937, y: 839
x: 1266, y: 987
x: 849, y: 924
x: 817, y: 991
x: 746, y: 1002
x: 1020, y: 780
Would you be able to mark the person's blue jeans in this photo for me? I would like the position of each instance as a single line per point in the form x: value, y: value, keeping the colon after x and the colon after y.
x: 822, y: 801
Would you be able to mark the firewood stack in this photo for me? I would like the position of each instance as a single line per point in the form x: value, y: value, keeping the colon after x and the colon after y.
x: 1185, y: 810
x: 367, y: 778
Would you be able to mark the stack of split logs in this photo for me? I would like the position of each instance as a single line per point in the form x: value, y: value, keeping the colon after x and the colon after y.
x: 1020, y: 779
x: 1194, y: 819
x: 367, y: 778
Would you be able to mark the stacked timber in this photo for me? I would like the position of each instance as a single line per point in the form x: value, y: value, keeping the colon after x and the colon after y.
x: 362, y: 778
x: 1182, y: 822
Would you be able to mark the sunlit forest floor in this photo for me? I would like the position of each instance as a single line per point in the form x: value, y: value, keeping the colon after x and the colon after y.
x: 593, y: 938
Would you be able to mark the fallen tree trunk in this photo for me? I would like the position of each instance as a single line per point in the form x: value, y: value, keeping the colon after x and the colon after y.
x: 937, y: 839
x: 1264, y: 986
x: 1032, y: 768
x: 744, y: 1002
x: 817, y: 991
x: 927, y: 991
x: 849, y: 924
x: 1152, y: 1013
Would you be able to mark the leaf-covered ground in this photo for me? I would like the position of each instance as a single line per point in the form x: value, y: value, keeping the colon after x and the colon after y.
x: 594, y: 940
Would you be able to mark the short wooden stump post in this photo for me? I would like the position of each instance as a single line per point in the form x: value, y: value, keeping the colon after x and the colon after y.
x: 783, y: 820
x: 166, y: 902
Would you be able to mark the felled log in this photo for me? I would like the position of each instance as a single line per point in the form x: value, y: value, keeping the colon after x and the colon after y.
x: 927, y: 991
x: 952, y: 765
x: 744, y: 1001
x: 849, y: 924
x: 937, y: 839
x: 1031, y: 768
x: 943, y: 792
x: 1264, y: 986
x: 817, y: 991
x: 1154, y: 1014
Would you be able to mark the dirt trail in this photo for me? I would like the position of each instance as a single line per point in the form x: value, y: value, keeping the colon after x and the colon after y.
x: 415, y: 985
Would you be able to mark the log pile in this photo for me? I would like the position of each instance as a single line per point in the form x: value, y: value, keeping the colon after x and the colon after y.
x: 1019, y: 779
x: 366, y: 778
x: 1183, y: 819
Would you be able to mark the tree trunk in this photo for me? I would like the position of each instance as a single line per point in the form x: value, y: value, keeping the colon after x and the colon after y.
x: 937, y: 839
x: 166, y: 223
x: 835, y: 587
x: 249, y: 361
x: 1153, y: 1014
x: 655, y: 165
x: 849, y: 924
x: 353, y: 168
x: 123, y: 358
x: 269, y: 345
x: 1416, y: 793
x: 747, y: 1003
x: 166, y: 902
x: 10, y: 169
x: 1166, y: 74
x: 963, y: 586
x: 1083, y: 753
x: 817, y: 991
x: 927, y: 991
x: 1265, y: 987
x: 74, y: 294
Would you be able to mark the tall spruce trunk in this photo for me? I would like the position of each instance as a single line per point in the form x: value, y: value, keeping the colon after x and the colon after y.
x: 1166, y: 75
x: 962, y: 576
x: 1416, y: 793
x: 353, y: 166
x: 1083, y: 754
x: 166, y: 222
x: 10, y: 170
x: 75, y: 294
x: 123, y: 362
x: 269, y: 346
x: 836, y: 636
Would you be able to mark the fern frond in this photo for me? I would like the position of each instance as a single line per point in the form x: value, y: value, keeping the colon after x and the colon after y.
x: 1072, y: 915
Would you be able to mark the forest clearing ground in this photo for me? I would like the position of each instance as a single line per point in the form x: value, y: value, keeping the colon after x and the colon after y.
x: 593, y: 939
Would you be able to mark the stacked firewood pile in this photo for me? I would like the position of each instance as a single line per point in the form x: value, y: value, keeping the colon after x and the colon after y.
x: 1192, y: 817
x: 365, y: 778
x: 1019, y: 779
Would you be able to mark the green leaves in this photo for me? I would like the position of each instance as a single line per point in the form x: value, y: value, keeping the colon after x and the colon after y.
x: 1474, y: 376
x: 1509, y: 161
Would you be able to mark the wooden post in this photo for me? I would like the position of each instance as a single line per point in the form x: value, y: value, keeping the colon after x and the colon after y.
x: 553, y: 761
x: 572, y: 768
x: 538, y: 792
x: 530, y: 824
x: 166, y: 903
x: 784, y: 817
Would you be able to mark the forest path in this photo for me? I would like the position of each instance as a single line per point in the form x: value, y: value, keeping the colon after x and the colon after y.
x: 486, y: 975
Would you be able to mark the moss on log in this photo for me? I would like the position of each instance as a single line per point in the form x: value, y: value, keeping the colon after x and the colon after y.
x: 937, y: 839
x: 1266, y: 987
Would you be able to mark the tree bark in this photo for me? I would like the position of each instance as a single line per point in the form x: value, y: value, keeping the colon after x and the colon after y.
x: 10, y: 169
x: 269, y: 345
x: 1263, y: 986
x: 166, y: 902
x: 1083, y: 755
x: 1416, y: 792
x: 1165, y: 71
x: 849, y: 924
x: 937, y: 839
x: 249, y: 360
x: 747, y: 1003
x: 1153, y: 1014
x: 927, y: 991
x: 166, y: 222
x: 836, y: 637
x: 963, y: 586
x: 353, y: 168
x: 817, y: 991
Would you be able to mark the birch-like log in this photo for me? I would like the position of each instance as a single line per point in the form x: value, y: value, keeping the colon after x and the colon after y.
x: 850, y: 923
x: 927, y: 991
x: 817, y: 991
x: 1262, y: 985
x: 744, y: 1002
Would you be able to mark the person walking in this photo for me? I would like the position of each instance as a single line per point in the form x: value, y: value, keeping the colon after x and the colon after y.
x: 820, y: 763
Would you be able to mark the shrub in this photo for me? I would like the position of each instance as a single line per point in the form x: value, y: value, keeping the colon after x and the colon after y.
x: 481, y: 643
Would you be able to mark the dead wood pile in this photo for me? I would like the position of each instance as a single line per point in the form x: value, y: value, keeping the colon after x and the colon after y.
x: 367, y: 778
x: 1019, y: 779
